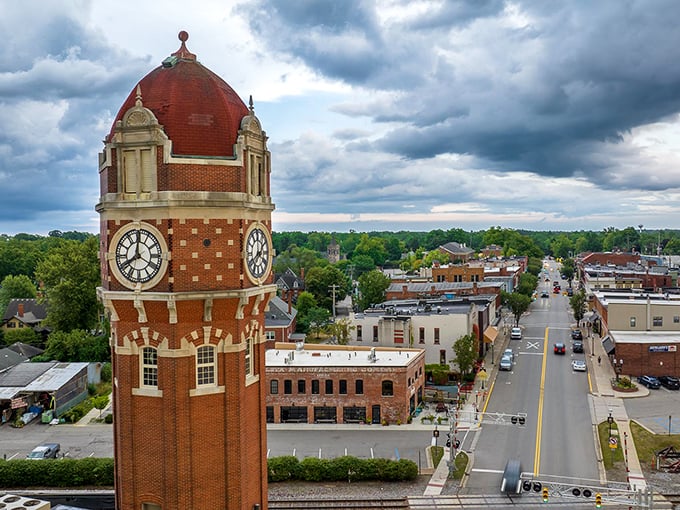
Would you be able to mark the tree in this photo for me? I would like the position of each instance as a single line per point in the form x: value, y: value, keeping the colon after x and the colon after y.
x: 568, y: 269
x: 15, y: 287
x: 466, y: 353
x: 341, y: 329
x: 305, y: 302
x: 435, y: 256
x: 561, y: 246
x: 518, y: 303
x: 374, y: 247
x: 527, y: 284
x: 100, y: 403
x: 76, y: 346
x: 372, y: 287
x: 321, y: 281
x: 70, y: 274
x: 579, y: 305
x: 23, y: 335
x: 317, y: 319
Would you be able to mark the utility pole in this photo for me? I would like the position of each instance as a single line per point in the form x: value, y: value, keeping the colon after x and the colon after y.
x: 333, y: 289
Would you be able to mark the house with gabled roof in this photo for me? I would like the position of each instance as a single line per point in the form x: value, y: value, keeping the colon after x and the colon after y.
x: 25, y: 313
x: 457, y: 251
x: 290, y: 285
x: 280, y: 321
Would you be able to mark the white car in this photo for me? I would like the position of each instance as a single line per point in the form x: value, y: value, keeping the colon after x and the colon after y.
x: 509, y: 354
x: 516, y: 333
x: 578, y: 365
x: 505, y: 364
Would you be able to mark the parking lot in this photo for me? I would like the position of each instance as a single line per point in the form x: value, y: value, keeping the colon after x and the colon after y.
x: 653, y: 411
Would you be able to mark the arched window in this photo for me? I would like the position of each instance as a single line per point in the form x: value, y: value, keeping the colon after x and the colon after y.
x: 387, y: 389
x: 149, y: 363
x: 205, y: 366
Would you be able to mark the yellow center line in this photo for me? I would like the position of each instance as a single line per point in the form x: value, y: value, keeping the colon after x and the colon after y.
x: 539, y: 414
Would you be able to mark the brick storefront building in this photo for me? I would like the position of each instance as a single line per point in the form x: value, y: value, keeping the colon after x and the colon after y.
x: 343, y: 384
x: 185, y: 215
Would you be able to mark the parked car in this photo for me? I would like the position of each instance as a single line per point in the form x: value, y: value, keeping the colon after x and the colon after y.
x: 570, y: 291
x: 649, y: 381
x: 670, y: 382
x: 560, y: 348
x: 576, y: 334
x: 44, y: 451
x: 509, y: 354
x: 441, y: 407
x: 506, y: 363
x: 577, y: 346
x: 516, y: 333
x: 578, y: 365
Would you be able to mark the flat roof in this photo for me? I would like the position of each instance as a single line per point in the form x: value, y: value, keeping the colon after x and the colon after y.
x: 645, y: 337
x: 339, y: 356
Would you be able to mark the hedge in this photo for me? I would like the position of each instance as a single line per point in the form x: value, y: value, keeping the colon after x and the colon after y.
x: 56, y: 473
x: 96, y: 472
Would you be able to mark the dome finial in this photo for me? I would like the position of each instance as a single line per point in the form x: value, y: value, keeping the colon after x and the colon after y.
x: 183, y: 53
x: 138, y: 97
x: 250, y: 105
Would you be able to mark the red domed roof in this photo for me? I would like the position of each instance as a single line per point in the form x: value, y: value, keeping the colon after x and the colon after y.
x: 200, y: 112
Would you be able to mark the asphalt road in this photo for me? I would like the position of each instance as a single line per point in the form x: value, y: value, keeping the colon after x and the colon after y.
x: 556, y: 442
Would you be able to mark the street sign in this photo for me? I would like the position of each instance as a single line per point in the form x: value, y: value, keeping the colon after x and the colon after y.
x: 613, y: 442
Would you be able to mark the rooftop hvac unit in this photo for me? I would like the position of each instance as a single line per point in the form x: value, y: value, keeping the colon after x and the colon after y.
x: 11, y: 502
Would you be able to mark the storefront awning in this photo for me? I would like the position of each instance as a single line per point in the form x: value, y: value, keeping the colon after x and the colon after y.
x: 608, y: 345
x: 490, y: 335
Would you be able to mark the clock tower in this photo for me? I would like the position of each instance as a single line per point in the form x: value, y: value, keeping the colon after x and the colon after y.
x: 186, y: 255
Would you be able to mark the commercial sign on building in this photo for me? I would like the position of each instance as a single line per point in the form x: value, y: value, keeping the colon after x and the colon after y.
x: 663, y: 348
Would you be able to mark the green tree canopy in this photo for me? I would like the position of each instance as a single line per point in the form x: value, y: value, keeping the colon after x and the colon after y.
x: 466, y: 353
x: 579, y: 305
x: 527, y: 284
x: 15, y: 287
x: 23, y: 335
x: 372, y: 287
x: 518, y: 303
x: 76, y: 345
x: 321, y: 281
x: 373, y: 247
x: 70, y: 275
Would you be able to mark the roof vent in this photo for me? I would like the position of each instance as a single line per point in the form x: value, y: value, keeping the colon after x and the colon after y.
x: 372, y: 358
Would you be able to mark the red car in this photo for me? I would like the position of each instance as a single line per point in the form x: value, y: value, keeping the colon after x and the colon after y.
x: 560, y: 348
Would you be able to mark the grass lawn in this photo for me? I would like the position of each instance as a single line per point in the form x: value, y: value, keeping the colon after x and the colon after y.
x: 646, y: 445
x: 461, y: 461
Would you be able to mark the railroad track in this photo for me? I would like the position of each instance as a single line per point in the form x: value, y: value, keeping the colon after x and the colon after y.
x: 673, y: 498
x: 339, y: 504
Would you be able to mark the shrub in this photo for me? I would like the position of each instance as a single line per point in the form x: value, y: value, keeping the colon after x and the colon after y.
x: 280, y: 469
x: 56, y: 473
x: 108, y: 418
x: 346, y: 468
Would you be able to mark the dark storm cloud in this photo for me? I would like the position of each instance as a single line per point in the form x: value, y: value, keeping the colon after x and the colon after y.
x: 58, y: 93
x: 531, y: 85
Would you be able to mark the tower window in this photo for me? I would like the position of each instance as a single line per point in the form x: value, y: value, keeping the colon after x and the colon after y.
x: 149, y: 367
x: 205, y: 365
x: 250, y: 366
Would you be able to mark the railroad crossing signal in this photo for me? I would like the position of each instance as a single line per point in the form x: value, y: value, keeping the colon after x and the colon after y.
x: 598, y: 500
x: 545, y: 494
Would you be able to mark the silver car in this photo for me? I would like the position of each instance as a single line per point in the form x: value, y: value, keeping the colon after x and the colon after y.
x: 505, y: 363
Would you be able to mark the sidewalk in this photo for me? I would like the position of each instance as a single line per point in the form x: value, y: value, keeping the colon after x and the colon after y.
x: 606, y: 402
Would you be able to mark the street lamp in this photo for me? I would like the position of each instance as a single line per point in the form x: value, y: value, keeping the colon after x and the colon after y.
x: 618, y: 368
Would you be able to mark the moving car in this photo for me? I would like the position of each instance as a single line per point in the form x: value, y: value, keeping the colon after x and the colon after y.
x: 577, y: 346
x: 516, y: 334
x: 578, y: 365
x: 670, y: 382
x: 545, y: 294
x: 651, y: 382
x: 505, y: 364
x: 44, y: 451
x: 557, y: 289
x: 512, y: 477
x: 559, y: 348
x: 576, y: 334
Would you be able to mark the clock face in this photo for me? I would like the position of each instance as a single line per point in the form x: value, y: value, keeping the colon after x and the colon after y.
x: 257, y: 253
x: 138, y: 255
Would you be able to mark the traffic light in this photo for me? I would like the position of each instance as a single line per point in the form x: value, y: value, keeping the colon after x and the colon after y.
x: 545, y: 494
x: 598, y: 500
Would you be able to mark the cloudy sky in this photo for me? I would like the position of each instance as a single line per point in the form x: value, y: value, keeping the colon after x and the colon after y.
x: 382, y: 115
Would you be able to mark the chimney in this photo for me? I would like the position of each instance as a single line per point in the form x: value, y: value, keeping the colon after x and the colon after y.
x: 290, y: 306
x: 302, y: 273
x: 21, y: 310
